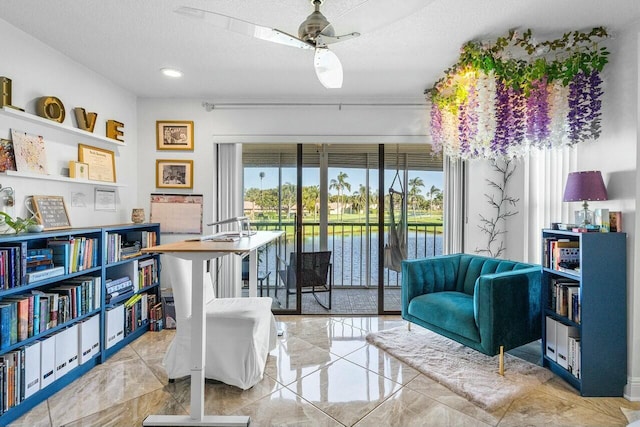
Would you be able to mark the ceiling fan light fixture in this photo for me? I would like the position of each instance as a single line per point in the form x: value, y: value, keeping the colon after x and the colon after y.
x: 328, y: 68
x: 171, y: 72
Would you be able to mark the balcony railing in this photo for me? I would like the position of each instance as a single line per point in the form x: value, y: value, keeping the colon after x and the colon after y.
x: 354, y: 248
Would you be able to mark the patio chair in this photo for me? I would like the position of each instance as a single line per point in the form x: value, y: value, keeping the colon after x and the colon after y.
x: 316, y: 275
x: 261, y: 277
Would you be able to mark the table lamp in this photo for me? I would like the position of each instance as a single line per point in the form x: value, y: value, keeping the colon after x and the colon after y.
x: 583, y: 187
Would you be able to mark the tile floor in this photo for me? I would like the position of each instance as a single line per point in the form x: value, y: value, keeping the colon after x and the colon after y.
x: 322, y: 373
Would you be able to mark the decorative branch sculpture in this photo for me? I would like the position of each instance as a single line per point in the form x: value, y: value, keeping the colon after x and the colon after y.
x: 502, y: 204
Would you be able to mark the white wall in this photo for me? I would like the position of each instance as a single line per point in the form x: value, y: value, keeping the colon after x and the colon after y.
x: 37, y: 70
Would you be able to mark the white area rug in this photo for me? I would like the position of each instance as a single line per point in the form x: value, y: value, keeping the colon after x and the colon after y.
x: 463, y: 370
x: 632, y: 416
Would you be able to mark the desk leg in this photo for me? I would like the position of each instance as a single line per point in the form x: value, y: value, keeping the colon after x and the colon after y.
x: 198, y: 333
x: 253, y: 273
x: 198, y: 340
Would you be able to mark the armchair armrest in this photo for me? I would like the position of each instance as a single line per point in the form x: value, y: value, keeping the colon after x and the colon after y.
x: 426, y: 275
x: 507, y: 308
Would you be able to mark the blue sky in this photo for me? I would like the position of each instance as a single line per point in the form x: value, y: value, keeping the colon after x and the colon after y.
x: 355, y: 177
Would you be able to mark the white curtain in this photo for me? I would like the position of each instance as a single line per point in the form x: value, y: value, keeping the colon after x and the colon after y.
x: 544, y: 179
x: 229, y: 204
x: 454, y: 205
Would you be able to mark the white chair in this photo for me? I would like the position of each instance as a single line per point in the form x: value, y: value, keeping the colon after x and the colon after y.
x: 240, y: 332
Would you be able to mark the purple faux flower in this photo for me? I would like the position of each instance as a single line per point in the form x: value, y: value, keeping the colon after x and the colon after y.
x: 537, y: 114
x: 436, y: 128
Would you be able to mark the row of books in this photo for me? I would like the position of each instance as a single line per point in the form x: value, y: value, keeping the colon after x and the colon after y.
x: 119, y: 247
x: 137, y: 312
x: 26, y: 315
x: 33, y: 367
x: 564, y: 298
x: 561, y: 254
x: 13, y: 267
x: 563, y: 345
x: 75, y: 253
x: 147, y: 272
x: 20, y: 265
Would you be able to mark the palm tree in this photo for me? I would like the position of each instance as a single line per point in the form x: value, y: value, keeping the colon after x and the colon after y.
x: 433, y: 191
x: 359, y: 199
x: 340, y: 184
x: 414, y: 191
x: 261, y: 175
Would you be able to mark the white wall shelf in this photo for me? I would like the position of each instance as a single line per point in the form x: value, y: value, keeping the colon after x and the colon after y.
x: 12, y: 112
x: 61, y: 178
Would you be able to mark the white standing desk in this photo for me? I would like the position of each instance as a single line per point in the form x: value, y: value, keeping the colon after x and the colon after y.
x: 198, y: 252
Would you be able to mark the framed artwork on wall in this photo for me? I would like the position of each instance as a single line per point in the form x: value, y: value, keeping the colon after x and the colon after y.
x: 174, y: 135
x: 174, y: 173
x: 101, y: 162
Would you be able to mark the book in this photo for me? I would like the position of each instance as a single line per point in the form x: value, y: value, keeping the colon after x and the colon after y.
x: 5, y: 325
x: 21, y: 315
x: 35, y: 276
x: 61, y: 250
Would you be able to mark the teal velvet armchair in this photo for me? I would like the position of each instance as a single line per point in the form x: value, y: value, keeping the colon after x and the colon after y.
x: 483, y: 303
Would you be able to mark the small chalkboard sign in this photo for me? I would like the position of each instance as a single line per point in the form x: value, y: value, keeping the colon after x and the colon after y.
x: 51, y: 212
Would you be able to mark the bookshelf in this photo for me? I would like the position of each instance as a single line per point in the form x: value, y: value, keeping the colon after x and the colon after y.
x: 56, y: 349
x: 584, y: 337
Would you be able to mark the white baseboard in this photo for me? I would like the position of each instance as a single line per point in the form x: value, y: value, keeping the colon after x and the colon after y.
x: 632, y: 389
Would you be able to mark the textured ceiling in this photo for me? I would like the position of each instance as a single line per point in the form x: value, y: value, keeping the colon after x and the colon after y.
x: 394, y: 59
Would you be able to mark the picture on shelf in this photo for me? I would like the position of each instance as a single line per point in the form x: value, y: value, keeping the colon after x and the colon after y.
x: 102, y: 163
x: 174, y: 135
x: 615, y: 221
x: 7, y: 156
x: 174, y: 173
x: 29, y: 152
x: 78, y: 170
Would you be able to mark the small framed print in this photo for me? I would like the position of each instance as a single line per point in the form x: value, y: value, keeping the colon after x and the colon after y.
x: 78, y: 170
x: 174, y: 173
x: 174, y: 135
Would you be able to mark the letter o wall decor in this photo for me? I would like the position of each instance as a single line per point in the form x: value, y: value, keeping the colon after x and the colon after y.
x: 50, y: 108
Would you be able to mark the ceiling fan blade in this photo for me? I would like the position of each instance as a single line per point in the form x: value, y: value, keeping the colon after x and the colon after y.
x: 244, y: 27
x: 328, y: 68
x: 322, y: 39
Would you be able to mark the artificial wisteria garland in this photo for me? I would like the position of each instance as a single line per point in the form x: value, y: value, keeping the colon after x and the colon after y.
x: 492, y: 104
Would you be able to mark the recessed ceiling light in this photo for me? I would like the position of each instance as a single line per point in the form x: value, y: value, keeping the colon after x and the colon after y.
x: 171, y: 72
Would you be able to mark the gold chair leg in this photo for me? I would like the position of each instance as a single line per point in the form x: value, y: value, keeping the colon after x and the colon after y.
x: 501, y: 362
x: 408, y: 326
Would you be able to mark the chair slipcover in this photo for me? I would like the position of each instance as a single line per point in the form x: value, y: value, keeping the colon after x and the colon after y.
x: 240, y: 332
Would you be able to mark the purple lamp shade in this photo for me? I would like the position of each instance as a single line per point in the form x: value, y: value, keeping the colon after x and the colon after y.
x: 583, y: 186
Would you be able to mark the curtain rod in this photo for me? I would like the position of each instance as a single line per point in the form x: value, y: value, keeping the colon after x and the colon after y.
x: 209, y: 106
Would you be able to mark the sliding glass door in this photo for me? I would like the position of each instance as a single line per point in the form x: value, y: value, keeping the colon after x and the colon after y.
x: 329, y: 198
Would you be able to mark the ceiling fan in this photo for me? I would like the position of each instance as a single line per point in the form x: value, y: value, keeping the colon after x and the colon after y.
x: 315, y: 33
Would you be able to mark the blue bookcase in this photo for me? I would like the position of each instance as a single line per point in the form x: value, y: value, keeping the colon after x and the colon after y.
x: 598, y: 366
x: 98, y: 269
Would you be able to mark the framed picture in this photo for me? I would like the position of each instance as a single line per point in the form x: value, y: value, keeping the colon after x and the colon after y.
x: 51, y: 212
x: 105, y: 199
x: 101, y: 162
x: 7, y: 158
x: 78, y: 170
x: 29, y: 152
x: 174, y: 173
x: 175, y: 135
